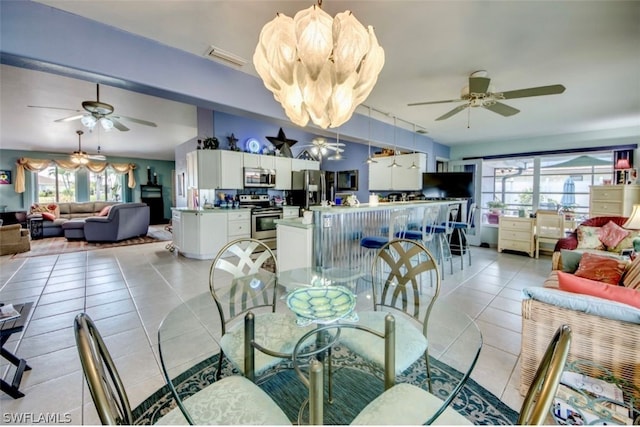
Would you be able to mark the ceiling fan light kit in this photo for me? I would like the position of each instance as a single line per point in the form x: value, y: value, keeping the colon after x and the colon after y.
x: 480, y: 93
x: 319, y: 68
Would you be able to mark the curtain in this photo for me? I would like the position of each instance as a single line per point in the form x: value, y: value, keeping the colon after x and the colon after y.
x: 37, y: 165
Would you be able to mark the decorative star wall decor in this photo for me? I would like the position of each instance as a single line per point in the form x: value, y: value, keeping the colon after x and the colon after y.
x: 282, y: 143
x: 233, y: 142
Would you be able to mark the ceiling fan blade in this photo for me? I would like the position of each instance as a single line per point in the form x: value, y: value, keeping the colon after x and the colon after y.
x: 134, y: 120
x: 434, y: 102
x: 70, y: 119
x: 479, y: 84
x: 97, y: 157
x: 502, y: 109
x: 55, y: 108
x: 118, y: 125
x: 534, y: 91
x: 452, y: 112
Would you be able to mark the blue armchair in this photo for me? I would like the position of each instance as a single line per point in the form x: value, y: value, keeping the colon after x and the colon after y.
x: 125, y: 220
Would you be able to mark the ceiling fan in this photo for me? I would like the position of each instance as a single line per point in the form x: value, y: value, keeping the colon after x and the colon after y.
x: 321, y: 147
x: 81, y: 157
x: 479, y: 93
x: 95, y: 112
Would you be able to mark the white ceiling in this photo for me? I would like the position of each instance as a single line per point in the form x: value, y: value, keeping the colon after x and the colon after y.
x: 431, y: 47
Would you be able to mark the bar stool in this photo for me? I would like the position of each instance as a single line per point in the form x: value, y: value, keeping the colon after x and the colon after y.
x: 442, y: 231
x: 461, y: 228
x: 398, y: 223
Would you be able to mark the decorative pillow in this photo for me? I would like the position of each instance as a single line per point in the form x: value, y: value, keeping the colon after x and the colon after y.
x: 36, y: 208
x: 626, y: 243
x: 601, y: 268
x: 631, y: 278
x: 48, y: 216
x: 570, y: 260
x: 54, y: 209
x: 105, y: 211
x: 611, y: 234
x: 589, y: 238
x: 579, y: 285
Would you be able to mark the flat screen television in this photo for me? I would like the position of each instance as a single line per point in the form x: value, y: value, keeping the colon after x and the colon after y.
x: 447, y: 184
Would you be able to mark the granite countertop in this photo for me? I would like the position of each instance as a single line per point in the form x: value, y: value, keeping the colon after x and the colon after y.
x: 293, y: 222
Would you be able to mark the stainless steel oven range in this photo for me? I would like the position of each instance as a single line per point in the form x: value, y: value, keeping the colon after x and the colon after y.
x: 263, y: 217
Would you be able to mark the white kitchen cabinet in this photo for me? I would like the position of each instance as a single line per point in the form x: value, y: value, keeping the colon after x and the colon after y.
x: 199, y: 234
x: 283, y: 173
x: 302, y: 164
x: 211, y: 169
x: 238, y: 224
x: 295, y: 246
x: 401, y: 178
x: 259, y: 161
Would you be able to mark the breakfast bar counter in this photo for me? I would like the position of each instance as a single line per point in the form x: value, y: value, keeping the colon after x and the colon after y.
x: 338, y: 230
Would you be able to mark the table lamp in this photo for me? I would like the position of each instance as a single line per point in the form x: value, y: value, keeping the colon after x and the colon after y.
x: 633, y: 223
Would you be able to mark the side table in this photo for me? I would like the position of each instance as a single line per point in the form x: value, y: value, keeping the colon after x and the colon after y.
x: 7, y: 328
x: 36, y: 228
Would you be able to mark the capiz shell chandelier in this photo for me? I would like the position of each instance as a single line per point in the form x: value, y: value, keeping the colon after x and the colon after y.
x: 318, y: 67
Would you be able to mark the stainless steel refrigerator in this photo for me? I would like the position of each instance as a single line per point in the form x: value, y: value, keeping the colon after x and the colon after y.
x: 308, y: 188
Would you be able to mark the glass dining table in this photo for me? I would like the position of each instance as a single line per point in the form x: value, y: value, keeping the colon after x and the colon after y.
x: 189, y: 337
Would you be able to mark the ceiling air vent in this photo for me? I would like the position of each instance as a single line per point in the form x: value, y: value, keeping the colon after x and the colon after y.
x: 219, y: 54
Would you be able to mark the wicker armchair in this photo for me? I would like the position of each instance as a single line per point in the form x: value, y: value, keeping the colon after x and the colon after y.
x: 612, y: 344
x: 14, y: 239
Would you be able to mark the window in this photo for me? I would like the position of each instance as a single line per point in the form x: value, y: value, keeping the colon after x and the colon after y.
x: 56, y: 185
x: 519, y: 186
x: 106, y: 185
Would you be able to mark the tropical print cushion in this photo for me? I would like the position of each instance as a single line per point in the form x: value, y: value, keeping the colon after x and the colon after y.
x: 601, y: 268
x: 626, y: 243
x: 589, y: 238
x: 611, y: 234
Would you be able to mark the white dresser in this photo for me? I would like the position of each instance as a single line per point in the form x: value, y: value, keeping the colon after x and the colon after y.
x: 516, y: 234
x: 613, y: 200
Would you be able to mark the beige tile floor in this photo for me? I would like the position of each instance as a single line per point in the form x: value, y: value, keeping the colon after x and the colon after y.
x: 128, y: 291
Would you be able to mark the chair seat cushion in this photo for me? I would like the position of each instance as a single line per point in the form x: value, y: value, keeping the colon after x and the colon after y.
x: 231, y: 401
x: 373, y: 242
x: 437, y: 229
x: 406, y: 404
x: 410, y: 344
x: 459, y: 224
x: 411, y: 235
x: 275, y: 331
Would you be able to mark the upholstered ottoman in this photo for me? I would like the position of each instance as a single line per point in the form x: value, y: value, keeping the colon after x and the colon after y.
x: 74, y: 229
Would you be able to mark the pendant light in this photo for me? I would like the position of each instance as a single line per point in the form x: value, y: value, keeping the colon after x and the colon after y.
x: 413, y: 165
x: 370, y: 159
x: 338, y: 154
x: 395, y: 145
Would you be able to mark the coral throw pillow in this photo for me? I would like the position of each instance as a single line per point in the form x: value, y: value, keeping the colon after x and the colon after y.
x: 589, y: 238
x: 611, y: 234
x: 601, y: 268
x: 105, y: 211
x: 579, y: 285
x: 48, y: 216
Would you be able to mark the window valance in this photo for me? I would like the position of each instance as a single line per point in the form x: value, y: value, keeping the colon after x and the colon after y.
x: 37, y: 165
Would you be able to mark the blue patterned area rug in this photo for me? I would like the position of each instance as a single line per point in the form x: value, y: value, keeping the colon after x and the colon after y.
x: 474, y: 402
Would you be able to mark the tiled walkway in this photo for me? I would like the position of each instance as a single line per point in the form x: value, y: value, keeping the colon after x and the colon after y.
x: 128, y: 290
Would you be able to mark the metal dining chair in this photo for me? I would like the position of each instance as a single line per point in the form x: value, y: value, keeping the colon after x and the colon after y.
x: 243, y: 279
x: 396, y: 275
x: 308, y: 360
x: 406, y: 404
x: 214, y: 402
x: 460, y: 229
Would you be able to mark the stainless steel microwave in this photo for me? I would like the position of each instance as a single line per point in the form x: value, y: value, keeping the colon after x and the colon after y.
x: 257, y: 177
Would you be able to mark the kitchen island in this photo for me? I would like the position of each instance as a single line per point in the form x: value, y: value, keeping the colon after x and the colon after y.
x: 201, y: 233
x: 334, y: 237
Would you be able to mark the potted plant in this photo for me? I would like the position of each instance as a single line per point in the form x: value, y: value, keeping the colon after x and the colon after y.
x: 569, y: 211
x: 495, y: 210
